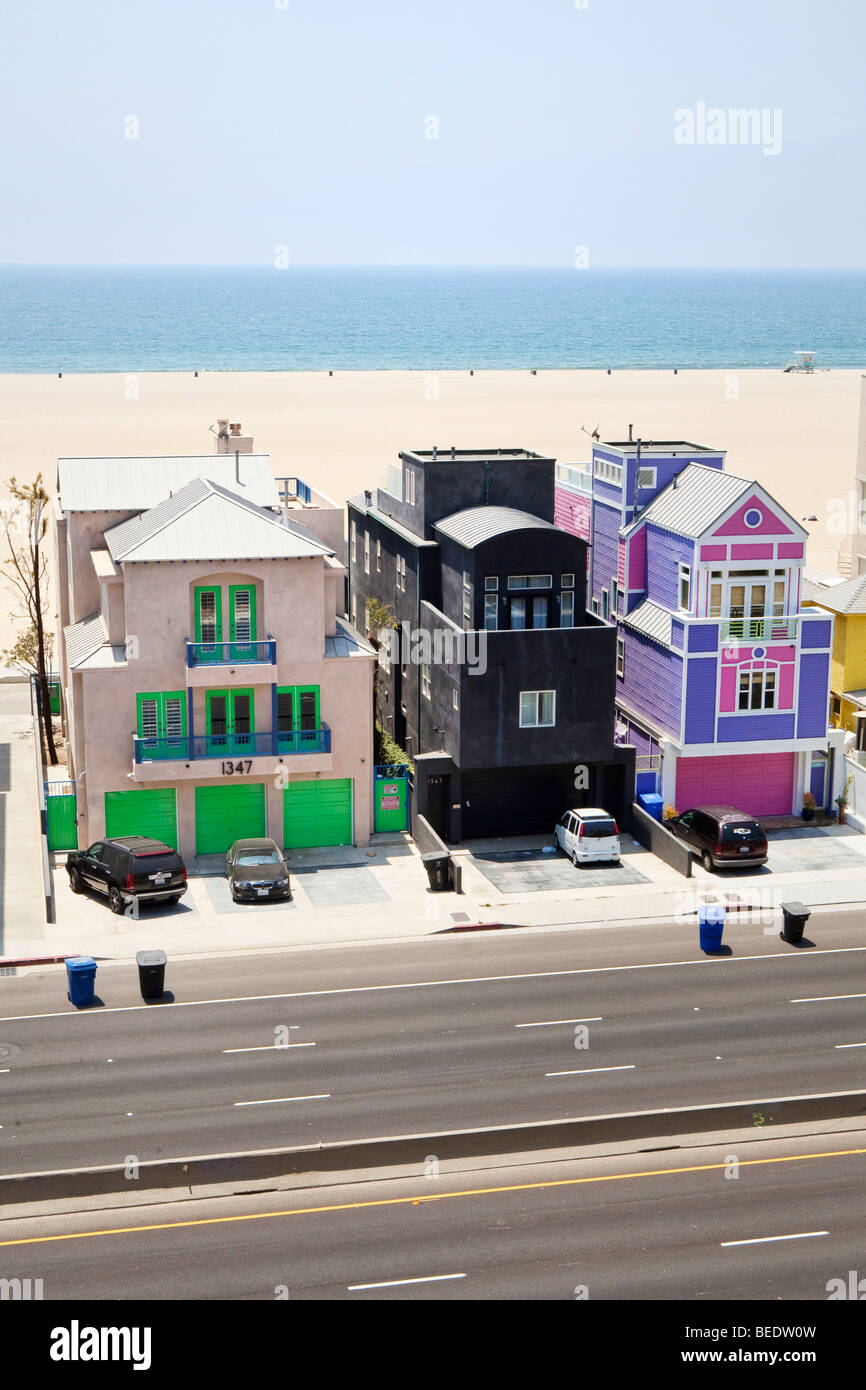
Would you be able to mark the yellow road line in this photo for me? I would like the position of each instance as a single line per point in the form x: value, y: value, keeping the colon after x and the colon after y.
x: 417, y: 1201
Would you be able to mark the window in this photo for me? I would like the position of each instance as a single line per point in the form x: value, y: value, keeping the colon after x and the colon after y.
x: 208, y: 616
x: 537, y: 709
x: 366, y: 552
x: 595, y: 606
x: 425, y: 681
x: 605, y: 604
x: 566, y: 610
x: 757, y: 690
x: 620, y: 657
x: 378, y: 557
x: 467, y: 600
x: 401, y: 573
x: 779, y: 598
x: 530, y: 581
x: 567, y: 581
x: 613, y: 595
x: 539, y: 612
x: 518, y: 612
x: 608, y: 472
x: 162, y: 720
x: 646, y: 477
x: 242, y: 614
x: 354, y: 537
x: 455, y: 703
x: 491, y: 583
x: 715, y: 595
x: 297, y: 711
x: 409, y: 489
x: 354, y: 612
x: 491, y: 609
x: 836, y: 706
x: 685, y: 588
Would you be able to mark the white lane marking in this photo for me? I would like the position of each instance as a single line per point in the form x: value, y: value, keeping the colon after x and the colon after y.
x: 768, y: 1240
x: 271, y: 1047
x: 840, y: 1046
x: 392, y: 1283
x: 585, y: 1071
x: 281, y: 1100
x: 553, y: 1022
x: 818, y: 998
x: 707, y: 961
x: 5, y: 1068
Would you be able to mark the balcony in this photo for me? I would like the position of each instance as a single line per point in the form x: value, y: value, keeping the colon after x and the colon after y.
x: 231, y: 653
x: 201, y: 747
x: 759, y: 629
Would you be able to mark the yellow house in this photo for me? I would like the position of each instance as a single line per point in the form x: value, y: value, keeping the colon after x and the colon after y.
x: 848, y: 664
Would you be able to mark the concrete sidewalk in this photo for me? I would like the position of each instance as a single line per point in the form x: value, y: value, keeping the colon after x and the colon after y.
x: 350, y: 895
x: 22, y: 895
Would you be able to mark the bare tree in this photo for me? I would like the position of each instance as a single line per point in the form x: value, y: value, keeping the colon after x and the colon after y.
x: 26, y: 572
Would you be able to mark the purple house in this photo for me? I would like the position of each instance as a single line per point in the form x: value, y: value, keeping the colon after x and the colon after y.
x: 722, y: 682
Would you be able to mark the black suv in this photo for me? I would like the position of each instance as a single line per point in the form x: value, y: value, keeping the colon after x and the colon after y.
x: 724, y: 837
x: 127, y: 869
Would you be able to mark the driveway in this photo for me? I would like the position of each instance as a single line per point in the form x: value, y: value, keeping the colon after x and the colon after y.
x: 533, y: 865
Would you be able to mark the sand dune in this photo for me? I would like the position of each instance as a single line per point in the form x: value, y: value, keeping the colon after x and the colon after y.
x: 796, y: 434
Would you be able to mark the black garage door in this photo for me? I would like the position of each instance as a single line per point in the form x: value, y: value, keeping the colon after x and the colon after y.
x: 520, y: 801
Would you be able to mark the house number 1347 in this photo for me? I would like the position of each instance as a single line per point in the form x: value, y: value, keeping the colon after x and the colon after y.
x: 242, y: 766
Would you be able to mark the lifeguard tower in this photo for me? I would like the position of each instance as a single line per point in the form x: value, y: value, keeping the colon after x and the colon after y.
x: 803, y: 362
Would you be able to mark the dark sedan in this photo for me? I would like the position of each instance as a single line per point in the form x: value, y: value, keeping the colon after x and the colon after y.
x: 257, y: 872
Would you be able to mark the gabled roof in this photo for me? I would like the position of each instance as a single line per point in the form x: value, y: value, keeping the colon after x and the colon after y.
x: 689, y: 505
x: 651, y: 620
x: 847, y: 597
x: 478, y: 524
x: 133, y: 484
x: 207, y: 522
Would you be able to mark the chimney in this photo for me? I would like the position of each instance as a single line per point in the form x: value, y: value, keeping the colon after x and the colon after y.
x: 453, y: 452
x: 229, y: 439
x: 434, y: 451
x: 368, y: 497
x: 630, y: 428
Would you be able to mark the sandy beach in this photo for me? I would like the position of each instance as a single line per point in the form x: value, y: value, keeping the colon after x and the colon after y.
x: 796, y: 434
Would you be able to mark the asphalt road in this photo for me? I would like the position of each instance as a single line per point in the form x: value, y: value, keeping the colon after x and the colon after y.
x: 646, y: 1226
x: 459, y: 1032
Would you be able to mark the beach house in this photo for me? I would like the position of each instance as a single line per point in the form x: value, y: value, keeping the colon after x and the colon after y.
x: 212, y: 688
x: 722, y: 674
x: 495, y: 678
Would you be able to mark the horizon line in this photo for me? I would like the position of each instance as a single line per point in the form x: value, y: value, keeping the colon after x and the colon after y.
x: 408, y: 265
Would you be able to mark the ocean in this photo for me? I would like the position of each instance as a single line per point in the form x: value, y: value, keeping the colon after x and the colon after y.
x: 139, y: 319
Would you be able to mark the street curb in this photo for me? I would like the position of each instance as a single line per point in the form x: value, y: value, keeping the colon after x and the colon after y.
x: 38, y: 960
x: 414, y: 1150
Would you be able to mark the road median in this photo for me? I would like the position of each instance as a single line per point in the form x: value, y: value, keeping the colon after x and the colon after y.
x: 417, y: 1150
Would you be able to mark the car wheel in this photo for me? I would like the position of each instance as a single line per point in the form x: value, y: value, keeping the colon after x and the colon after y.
x: 574, y: 859
x: 75, y: 881
x: 115, y: 902
x: 707, y: 861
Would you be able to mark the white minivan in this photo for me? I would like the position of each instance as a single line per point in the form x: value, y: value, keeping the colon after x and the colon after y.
x: 588, y: 835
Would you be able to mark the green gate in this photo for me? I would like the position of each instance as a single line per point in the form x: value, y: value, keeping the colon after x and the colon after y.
x: 60, y: 815
x: 391, y: 797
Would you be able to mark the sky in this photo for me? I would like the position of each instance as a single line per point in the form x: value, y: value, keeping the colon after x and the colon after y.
x: 447, y: 132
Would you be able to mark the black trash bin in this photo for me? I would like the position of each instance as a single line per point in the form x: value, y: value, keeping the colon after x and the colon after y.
x: 436, y: 865
x: 796, y: 916
x: 151, y: 973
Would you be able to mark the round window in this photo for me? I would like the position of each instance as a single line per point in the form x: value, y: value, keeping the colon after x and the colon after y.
x: 758, y: 653
x: 753, y: 518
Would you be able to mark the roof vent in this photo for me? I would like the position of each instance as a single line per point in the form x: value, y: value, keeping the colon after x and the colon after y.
x: 435, y: 451
x: 630, y: 428
x: 453, y: 452
x: 368, y: 497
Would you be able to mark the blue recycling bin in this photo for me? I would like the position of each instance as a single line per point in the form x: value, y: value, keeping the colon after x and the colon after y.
x: 80, y: 977
x: 652, y: 803
x: 711, y: 924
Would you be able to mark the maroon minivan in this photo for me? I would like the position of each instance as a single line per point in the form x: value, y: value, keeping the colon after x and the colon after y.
x: 722, y: 836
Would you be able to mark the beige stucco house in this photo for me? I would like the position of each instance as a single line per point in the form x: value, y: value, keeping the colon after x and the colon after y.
x: 212, y: 688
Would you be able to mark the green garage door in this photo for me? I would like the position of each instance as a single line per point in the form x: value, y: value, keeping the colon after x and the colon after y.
x: 151, y: 811
x: 317, y: 813
x: 224, y: 814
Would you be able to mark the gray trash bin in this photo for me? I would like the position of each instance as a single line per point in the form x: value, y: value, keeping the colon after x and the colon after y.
x: 795, y: 915
x: 151, y: 973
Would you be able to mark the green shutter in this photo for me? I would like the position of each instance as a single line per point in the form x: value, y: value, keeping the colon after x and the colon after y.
x: 234, y: 591
x: 217, y: 606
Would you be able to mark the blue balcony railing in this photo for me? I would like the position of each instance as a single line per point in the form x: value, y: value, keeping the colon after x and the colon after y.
x: 233, y: 745
x: 231, y: 653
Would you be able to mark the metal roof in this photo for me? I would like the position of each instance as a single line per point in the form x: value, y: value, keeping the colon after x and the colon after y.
x: 207, y: 522
x: 133, y: 484
x: 847, y: 597
x: 347, y: 642
x: 477, y: 524
x: 84, y: 639
x: 692, y: 503
x: 651, y: 620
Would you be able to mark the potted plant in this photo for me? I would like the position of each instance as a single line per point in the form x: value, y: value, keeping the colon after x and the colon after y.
x: 669, y: 812
x: 842, y: 799
x: 809, y: 804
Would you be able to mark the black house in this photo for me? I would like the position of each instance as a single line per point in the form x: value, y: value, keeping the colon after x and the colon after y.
x: 497, y: 681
